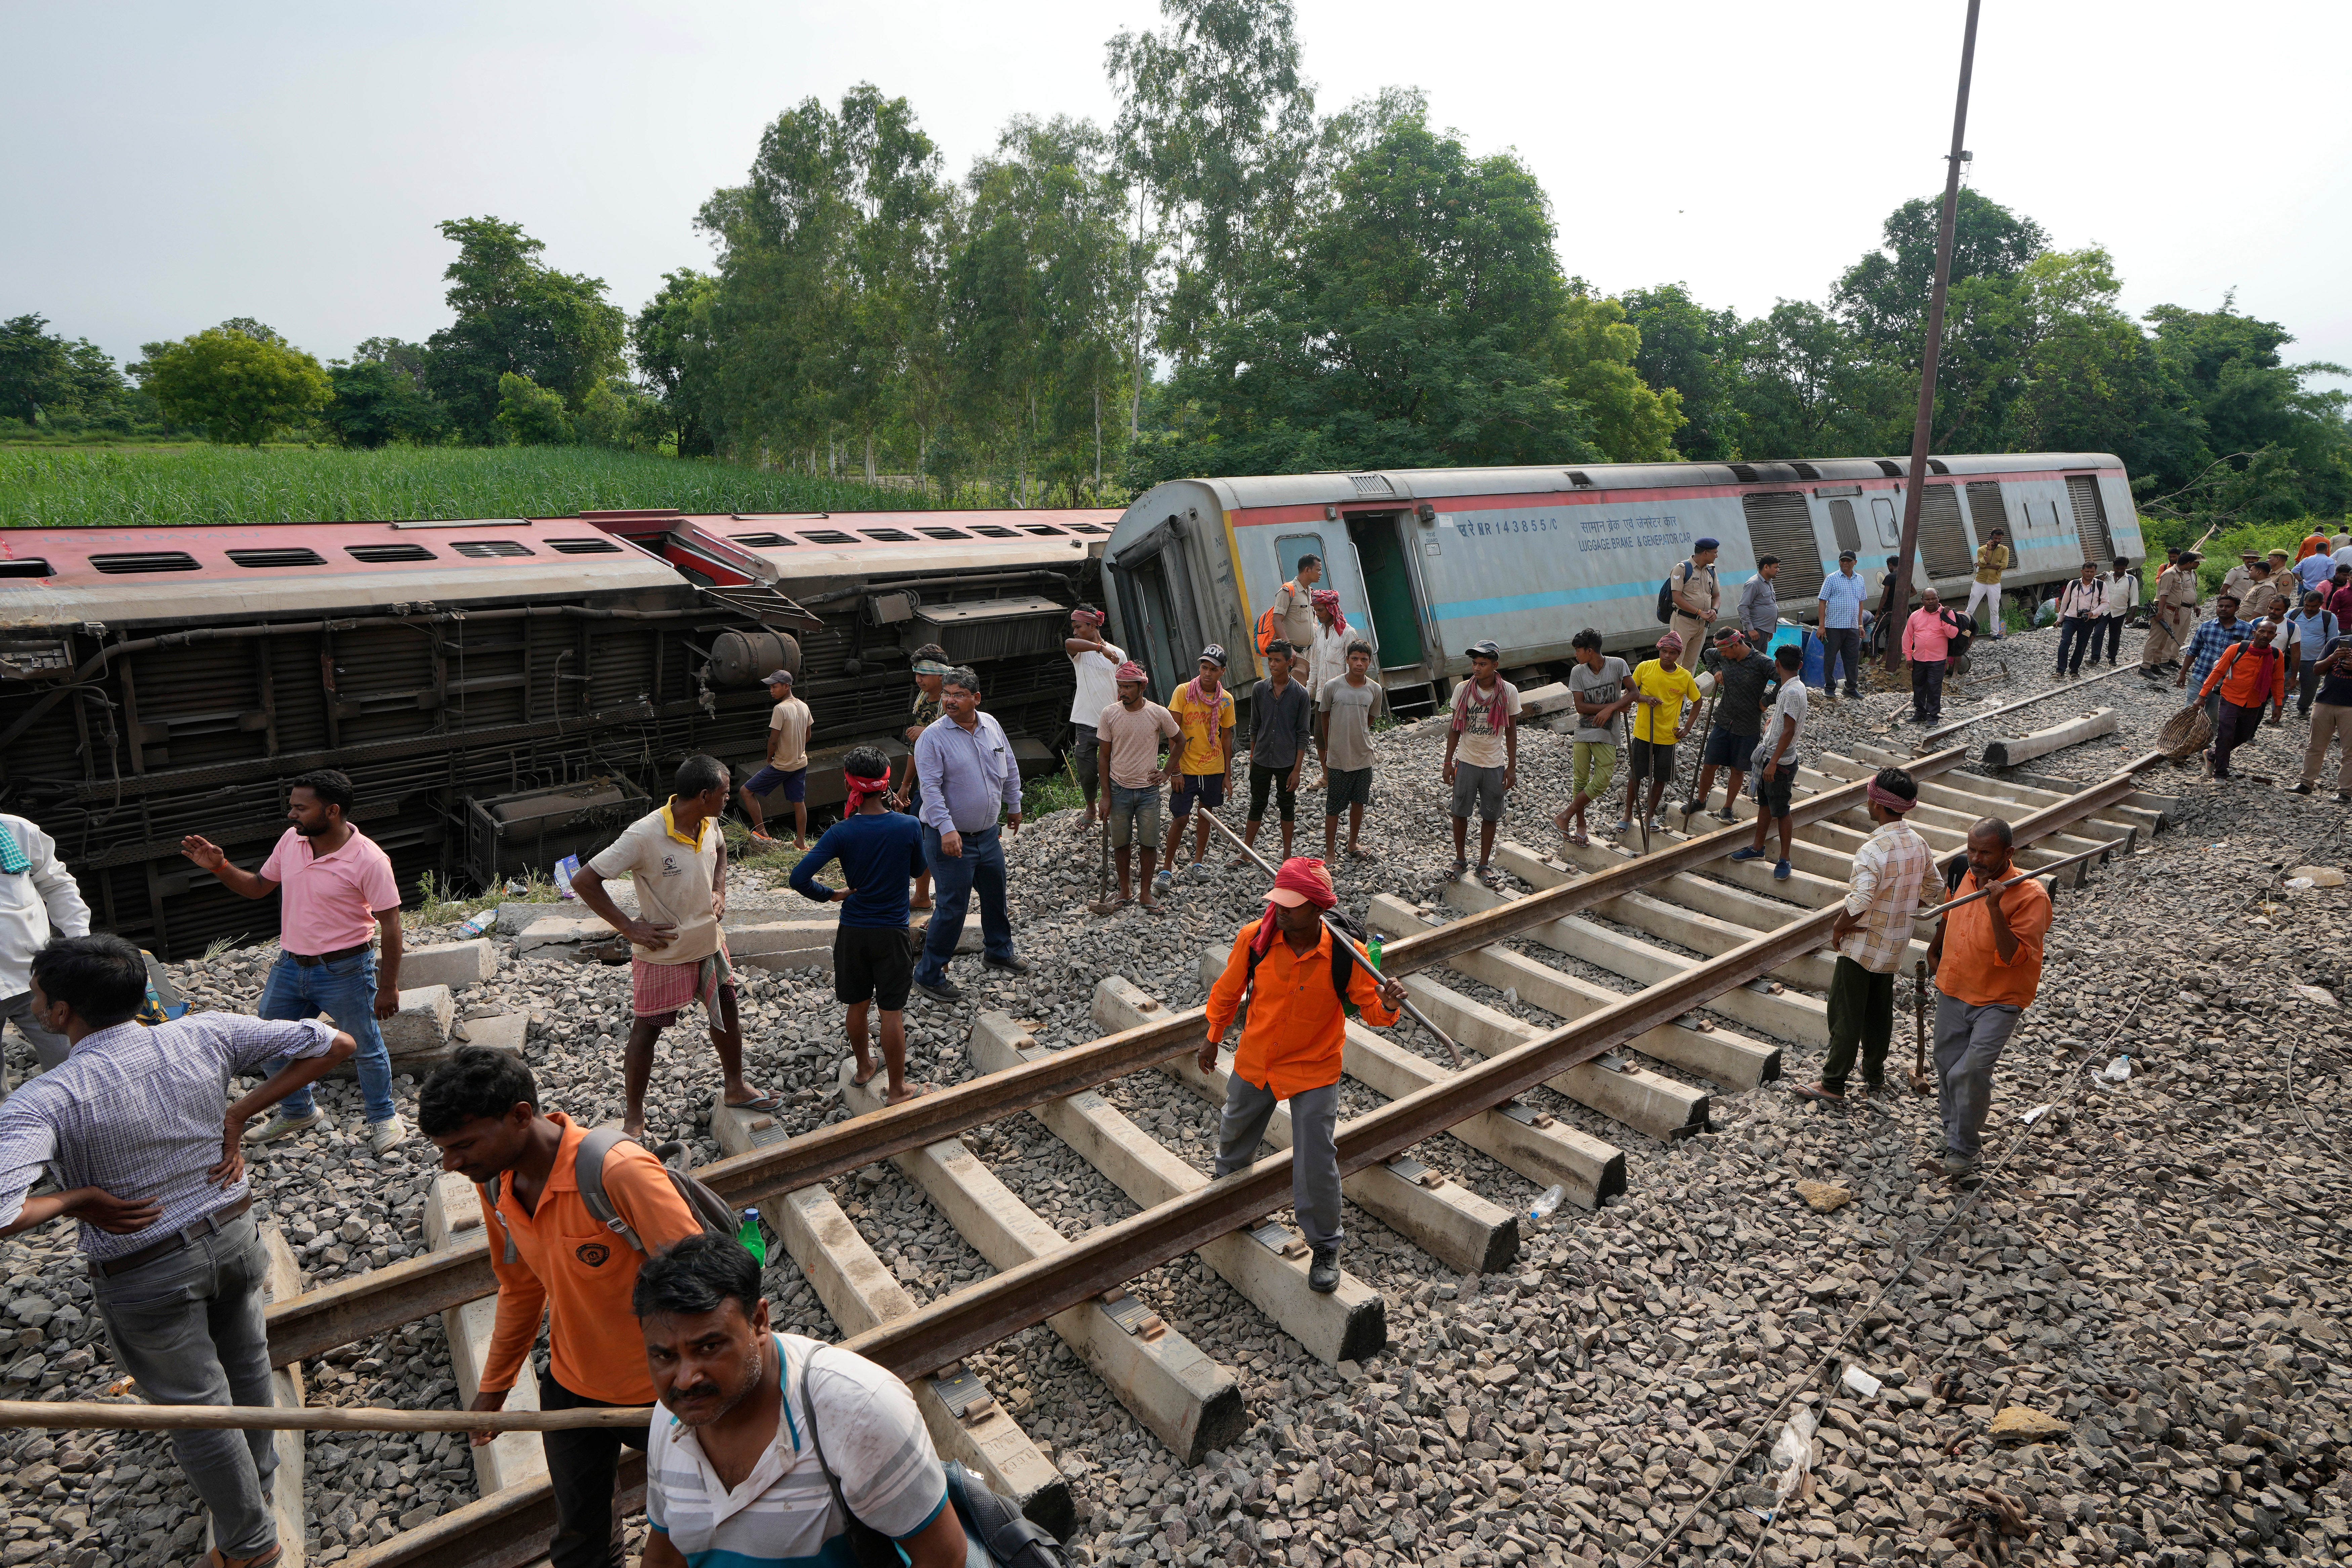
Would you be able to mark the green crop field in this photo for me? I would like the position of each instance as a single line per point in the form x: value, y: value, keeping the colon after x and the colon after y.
x: 144, y: 487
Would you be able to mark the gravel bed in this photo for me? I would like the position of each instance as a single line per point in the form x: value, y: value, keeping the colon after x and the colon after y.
x: 2162, y: 1267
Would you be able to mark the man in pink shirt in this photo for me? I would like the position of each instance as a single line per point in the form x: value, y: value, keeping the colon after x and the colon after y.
x: 1927, y: 643
x: 336, y: 896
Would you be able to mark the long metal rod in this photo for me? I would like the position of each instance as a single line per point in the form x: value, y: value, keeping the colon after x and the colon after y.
x: 1331, y: 924
x: 1937, y: 734
x: 84, y: 1414
x: 319, y: 1321
x: 1923, y: 425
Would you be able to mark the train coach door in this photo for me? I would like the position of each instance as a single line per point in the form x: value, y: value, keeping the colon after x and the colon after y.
x: 1387, y: 588
x: 1155, y: 601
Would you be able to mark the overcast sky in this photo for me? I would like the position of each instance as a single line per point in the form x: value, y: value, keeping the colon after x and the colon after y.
x: 172, y: 165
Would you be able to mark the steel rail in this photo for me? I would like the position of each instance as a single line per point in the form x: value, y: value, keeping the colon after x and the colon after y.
x: 954, y: 1326
x: 508, y: 1529
x: 1940, y: 731
x: 319, y: 1321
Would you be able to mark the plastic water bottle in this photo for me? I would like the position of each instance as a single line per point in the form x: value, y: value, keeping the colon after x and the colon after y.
x: 754, y: 1240
x: 2117, y: 1070
x: 1372, y: 951
x: 1548, y: 1200
x: 478, y: 922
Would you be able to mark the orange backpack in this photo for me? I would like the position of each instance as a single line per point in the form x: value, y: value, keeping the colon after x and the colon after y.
x: 1269, y: 626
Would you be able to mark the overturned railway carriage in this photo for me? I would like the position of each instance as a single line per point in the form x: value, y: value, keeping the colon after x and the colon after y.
x: 1431, y: 560
x: 503, y: 691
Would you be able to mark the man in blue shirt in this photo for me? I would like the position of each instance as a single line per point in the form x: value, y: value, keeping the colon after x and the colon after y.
x: 967, y: 770
x: 873, y: 964
x: 1841, y: 622
x: 2205, y: 646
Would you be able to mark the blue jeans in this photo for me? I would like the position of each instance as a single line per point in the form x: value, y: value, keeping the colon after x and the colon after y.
x: 953, y: 877
x: 346, y: 989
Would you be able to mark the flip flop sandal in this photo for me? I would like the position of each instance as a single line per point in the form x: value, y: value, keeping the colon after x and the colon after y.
x: 1461, y: 869
x: 1354, y: 853
x: 766, y: 1105
x: 1582, y: 840
x: 1806, y: 1091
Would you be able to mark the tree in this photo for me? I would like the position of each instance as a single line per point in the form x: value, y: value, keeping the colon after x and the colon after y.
x: 673, y: 345
x: 517, y: 317
x: 1594, y: 351
x: 1883, y: 296
x: 240, y: 388
x: 1698, y: 353
x: 41, y: 371
x: 531, y: 414
x: 380, y: 396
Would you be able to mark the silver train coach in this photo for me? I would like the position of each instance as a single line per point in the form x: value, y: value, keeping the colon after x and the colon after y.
x: 1432, y: 560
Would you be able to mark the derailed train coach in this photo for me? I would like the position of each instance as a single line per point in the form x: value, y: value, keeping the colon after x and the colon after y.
x: 503, y: 691
x: 1431, y: 560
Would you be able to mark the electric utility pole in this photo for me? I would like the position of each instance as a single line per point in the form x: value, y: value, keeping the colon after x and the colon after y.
x: 1899, y: 606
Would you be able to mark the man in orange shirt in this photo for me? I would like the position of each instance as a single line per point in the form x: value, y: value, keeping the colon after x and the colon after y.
x: 1292, y: 973
x: 554, y: 1258
x: 1986, y: 959
x: 2246, y: 674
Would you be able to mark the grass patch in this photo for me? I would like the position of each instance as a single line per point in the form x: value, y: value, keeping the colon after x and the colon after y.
x: 136, y: 486
x: 437, y: 907
x: 744, y: 854
x: 1057, y: 791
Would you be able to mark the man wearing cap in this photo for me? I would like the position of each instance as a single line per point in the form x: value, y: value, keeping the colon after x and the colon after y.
x: 1094, y: 660
x: 787, y: 763
x: 968, y: 775
x: 1134, y: 731
x: 1291, y: 978
x: 2171, y: 613
x: 1992, y: 559
x: 1204, y: 710
x: 1871, y: 937
x: 1839, y: 609
x: 1697, y: 597
x: 2279, y: 583
x: 1482, y: 753
x: 1663, y: 690
x: 1927, y: 644
x: 2242, y: 581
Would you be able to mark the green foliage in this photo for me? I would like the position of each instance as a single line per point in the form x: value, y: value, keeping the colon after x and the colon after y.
x: 531, y: 414
x: 239, y: 380
x: 516, y: 316
x: 145, y: 487
x: 670, y: 341
x: 40, y: 373
x: 378, y: 401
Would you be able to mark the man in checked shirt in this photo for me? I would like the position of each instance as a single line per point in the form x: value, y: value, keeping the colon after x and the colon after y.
x: 1870, y: 936
x: 150, y: 1165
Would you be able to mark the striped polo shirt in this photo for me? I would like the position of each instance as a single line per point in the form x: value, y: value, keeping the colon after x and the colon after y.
x: 782, y: 1515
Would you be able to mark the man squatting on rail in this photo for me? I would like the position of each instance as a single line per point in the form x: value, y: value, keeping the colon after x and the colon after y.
x: 1291, y: 992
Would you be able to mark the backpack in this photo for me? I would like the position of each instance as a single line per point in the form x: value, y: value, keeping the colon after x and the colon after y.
x: 1964, y: 633
x: 993, y: 1520
x: 714, y: 1214
x: 1666, y: 593
x: 1269, y: 626
x: 1343, y: 964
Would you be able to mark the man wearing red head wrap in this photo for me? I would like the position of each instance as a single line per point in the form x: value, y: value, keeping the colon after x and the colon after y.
x: 1293, y: 976
x: 1095, y: 661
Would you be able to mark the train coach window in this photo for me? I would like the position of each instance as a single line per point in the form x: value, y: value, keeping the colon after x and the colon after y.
x: 762, y: 541
x: 25, y: 566
x: 1088, y: 527
x: 598, y: 546
x: 1039, y: 527
x: 1882, y: 516
x: 382, y: 554
x: 829, y: 536
x: 144, y: 560
x: 295, y: 556
x: 483, y: 548
x: 945, y: 532
x: 994, y: 531
x: 888, y: 535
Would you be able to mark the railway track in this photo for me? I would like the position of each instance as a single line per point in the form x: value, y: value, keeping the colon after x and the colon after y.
x: 1734, y: 951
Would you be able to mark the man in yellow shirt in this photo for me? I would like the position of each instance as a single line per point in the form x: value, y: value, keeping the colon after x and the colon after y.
x: 1204, y: 715
x: 1662, y: 688
x: 1994, y: 558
